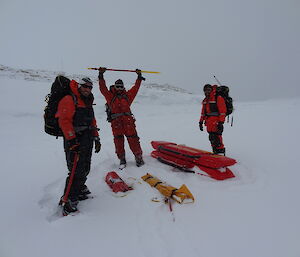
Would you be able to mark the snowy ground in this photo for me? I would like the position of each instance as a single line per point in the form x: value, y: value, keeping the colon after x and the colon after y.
x: 255, y: 214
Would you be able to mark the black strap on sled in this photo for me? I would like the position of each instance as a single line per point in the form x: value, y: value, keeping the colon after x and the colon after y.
x: 157, y: 183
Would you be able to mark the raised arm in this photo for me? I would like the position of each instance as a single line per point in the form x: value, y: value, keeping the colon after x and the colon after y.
x: 134, y: 90
x: 102, y: 85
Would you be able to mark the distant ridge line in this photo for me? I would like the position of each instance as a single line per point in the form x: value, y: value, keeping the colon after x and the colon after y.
x: 48, y: 76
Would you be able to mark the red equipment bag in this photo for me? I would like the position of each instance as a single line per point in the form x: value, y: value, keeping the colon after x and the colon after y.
x: 116, y: 183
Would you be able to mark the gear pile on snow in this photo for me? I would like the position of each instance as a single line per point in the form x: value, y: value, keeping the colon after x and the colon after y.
x: 181, y: 195
x: 186, y: 158
x: 116, y: 183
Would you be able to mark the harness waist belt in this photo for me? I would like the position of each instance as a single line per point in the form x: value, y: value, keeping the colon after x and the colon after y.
x: 213, y: 114
x: 116, y: 115
x: 82, y: 128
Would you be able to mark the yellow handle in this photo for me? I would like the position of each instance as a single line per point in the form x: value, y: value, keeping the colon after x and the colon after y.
x: 145, y: 71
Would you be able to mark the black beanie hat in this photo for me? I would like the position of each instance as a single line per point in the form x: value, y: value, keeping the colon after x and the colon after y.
x: 206, y: 86
x: 119, y: 82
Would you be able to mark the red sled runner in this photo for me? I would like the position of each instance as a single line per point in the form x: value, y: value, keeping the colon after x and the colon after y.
x: 116, y: 183
x: 186, y: 158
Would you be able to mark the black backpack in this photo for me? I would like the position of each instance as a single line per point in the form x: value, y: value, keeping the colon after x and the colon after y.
x: 224, y: 92
x: 107, y: 107
x: 59, y: 89
x: 108, y: 112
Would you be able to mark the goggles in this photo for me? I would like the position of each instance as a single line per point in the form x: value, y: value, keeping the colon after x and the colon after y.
x: 86, y: 86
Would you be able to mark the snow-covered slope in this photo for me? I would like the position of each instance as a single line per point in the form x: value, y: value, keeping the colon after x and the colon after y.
x: 254, y: 214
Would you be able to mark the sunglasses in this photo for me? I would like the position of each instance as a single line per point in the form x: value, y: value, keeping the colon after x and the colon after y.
x: 86, y: 86
x: 119, y: 87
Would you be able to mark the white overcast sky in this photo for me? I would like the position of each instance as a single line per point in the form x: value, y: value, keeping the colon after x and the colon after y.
x: 252, y: 46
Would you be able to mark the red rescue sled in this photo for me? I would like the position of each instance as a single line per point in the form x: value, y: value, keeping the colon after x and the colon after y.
x: 116, y: 183
x: 186, y: 158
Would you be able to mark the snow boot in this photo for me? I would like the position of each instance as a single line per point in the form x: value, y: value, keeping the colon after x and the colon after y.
x: 219, y: 151
x: 69, y: 207
x: 139, y: 161
x: 82, y: 197
x: 83, y: 193
x: 85, y: 190
x: 122, y: 163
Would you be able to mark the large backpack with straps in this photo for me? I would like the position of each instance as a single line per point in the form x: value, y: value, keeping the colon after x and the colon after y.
x: 59, y: 89
x: 224, y: 92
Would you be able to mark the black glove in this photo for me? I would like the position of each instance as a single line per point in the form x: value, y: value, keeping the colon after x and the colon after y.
x: 139, y: 73
x: 73, y: 145
x: 220, y: 126
x: 97, y: 144
x: 201, y: 125
x: 101, y: 71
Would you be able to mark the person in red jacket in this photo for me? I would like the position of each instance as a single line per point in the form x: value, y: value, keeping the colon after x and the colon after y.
x: 122, y: 120
x: 213, y: 115
x: 77, y: 121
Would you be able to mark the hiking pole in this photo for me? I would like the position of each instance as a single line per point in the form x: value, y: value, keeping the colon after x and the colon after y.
x: 143, y: 71
x: 217, y: 81
x: 66, y: 195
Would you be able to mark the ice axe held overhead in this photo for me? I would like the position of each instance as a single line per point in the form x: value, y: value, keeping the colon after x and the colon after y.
x: 142, y: 71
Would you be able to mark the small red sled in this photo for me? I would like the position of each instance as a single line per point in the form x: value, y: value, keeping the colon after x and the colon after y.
x: 186, y: 158
x: 116, y: 183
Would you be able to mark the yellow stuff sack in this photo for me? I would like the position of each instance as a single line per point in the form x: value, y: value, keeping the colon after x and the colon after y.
x: 181, y: 195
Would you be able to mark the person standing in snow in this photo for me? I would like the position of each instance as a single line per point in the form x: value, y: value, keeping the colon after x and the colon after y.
x: 213, y: 115
x: 122, y: 120
x: 77, y: 121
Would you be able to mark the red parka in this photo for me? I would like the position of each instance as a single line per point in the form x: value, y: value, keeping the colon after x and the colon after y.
x: 213, y: 106
x: 120, y: 104
x: 124, y: 123
x: 66, y: 111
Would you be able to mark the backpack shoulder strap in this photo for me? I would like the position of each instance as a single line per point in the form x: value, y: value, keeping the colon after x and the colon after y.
x: 112, y: 100
x: 126, y: 97
x: 74, y: 99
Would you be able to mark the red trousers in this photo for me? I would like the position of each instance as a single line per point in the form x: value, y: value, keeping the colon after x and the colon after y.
x: 125, y: 126
x: 215, y: 134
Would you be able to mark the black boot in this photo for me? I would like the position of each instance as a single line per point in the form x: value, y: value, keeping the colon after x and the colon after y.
x: 139, y: 161
x: 220, y: 151
x: 69, y: 207
x: 85, y: 190
x: 83, y: 193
